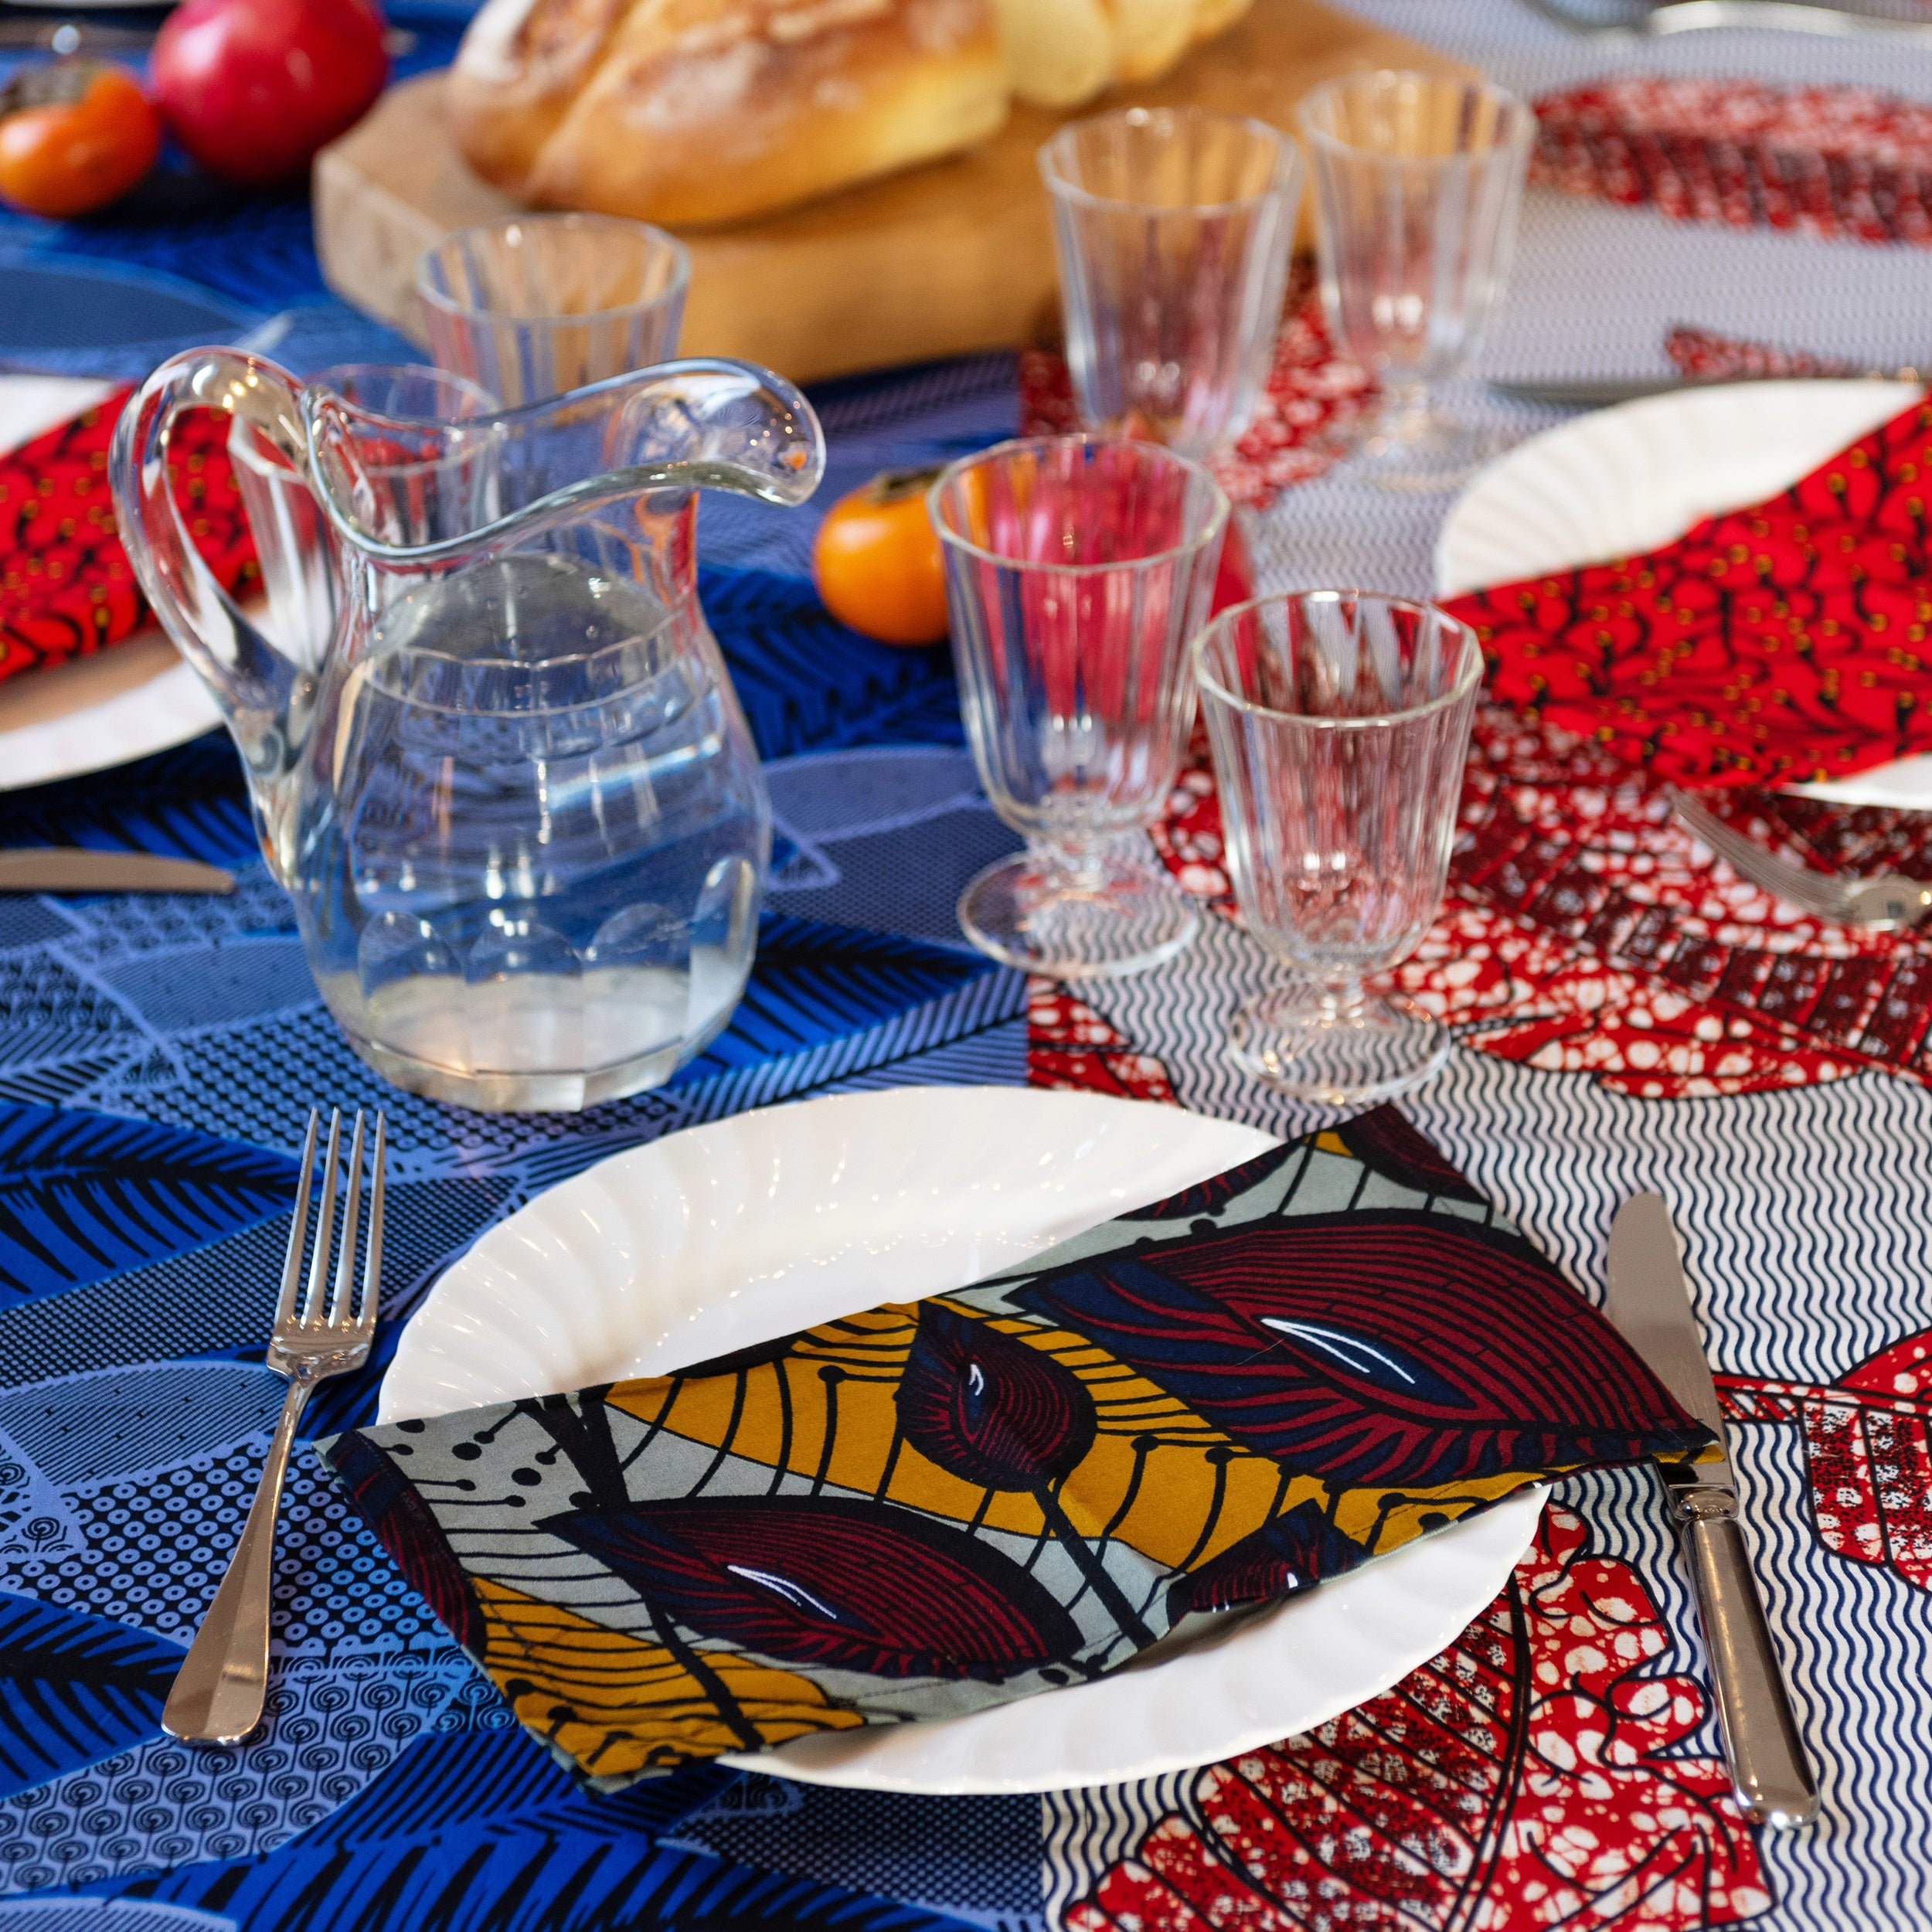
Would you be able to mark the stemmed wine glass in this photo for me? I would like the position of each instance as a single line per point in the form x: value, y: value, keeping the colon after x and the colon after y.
x: 1418, y: 179
x: 1076, y: 570
x: 1339, y: 721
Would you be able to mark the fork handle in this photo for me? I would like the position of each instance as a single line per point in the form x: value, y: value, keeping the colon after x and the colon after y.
x: 219, y: 1694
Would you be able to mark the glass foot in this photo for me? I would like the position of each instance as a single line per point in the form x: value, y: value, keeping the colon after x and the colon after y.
x: 1305, y: 1041
x: 1114, y: 917
x: 1423, y: 455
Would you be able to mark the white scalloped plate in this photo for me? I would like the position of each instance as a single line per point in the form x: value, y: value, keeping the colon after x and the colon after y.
x: 1619, y: 481
x: 736, y: 1232
x: 72, y: 731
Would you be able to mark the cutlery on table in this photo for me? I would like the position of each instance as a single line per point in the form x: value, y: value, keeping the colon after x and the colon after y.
x: 1887, y: 899
x: 218, y: 1696
x: 65, y: 37
x: 73, y: 868
x: 1592, y: 393
x: 1694, y: 16
x: 1649, y: 1301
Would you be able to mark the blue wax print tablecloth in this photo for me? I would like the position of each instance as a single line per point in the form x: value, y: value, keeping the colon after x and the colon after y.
x: 1558, y: 1768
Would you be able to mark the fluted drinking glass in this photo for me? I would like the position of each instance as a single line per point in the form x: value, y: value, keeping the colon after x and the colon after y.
x: 1076, y: 570
x: 533, y: 306
x: 1418, y: 180
x: 1338, y: 721
x: 1174, y: 228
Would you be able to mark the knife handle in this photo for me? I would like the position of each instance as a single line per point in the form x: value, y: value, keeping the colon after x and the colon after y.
x: 1773, y: 1779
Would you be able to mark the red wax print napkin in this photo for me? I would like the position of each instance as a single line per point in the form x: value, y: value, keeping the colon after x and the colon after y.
x: 66, y: 588
x: 1779, y: 644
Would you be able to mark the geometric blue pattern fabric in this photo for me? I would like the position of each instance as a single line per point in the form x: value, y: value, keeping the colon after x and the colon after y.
x: 156, y: 1059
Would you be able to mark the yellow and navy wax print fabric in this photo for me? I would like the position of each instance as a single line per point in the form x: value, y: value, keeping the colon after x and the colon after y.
x: 932, y: 1506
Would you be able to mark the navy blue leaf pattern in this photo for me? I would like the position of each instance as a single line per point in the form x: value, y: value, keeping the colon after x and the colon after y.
x: 812, y: 982
x: 581, y: 1866
x: 86, y: 1196
x: 469, y: 1776
x: 73, y: 1690
x: 139, y: 1229
x: 188, y: 803
x: 806, y: 682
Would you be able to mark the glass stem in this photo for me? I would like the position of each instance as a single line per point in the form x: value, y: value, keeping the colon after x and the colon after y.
x: 1341, y: 1002
x: 1069, y: 864
x: 1405, y: 411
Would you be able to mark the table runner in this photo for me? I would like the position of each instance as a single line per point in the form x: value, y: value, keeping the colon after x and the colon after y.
x: 155, y: 1059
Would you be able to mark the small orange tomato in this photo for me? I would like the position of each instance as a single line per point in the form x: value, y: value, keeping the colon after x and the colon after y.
x: 73, y: 137
x: 876, y: 560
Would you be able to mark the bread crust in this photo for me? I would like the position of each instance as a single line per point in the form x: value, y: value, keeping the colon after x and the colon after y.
x: 522, y: 64
x: 1212, y: 17
x: 694, y: 112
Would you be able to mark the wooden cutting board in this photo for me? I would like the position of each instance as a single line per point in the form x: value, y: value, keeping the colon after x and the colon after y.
x: 941, y: 259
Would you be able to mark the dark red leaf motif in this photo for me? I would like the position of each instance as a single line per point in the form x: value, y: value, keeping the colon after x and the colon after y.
x: 411, y: 1535
x: 1209, y: 1196
x: 1287, y: 1553
x: 837, y: 1582
x: 1376, y: 1347
x: 1383, y: 1138
x: 1475, y: 1794
x: 988, y: 1408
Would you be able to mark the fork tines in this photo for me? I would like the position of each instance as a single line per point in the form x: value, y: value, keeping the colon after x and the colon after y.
x: 338, y: 1314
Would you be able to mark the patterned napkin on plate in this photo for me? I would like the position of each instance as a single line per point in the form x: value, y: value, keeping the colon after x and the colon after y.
x: 66, y: 588
x: 1781, y: 643
x: 931, y: 1507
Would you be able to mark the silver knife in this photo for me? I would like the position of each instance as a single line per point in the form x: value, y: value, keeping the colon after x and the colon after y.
x: 1592, y: 393
x: 70, y: 869
x: 1649, y: 1301
x: 1692, y: 16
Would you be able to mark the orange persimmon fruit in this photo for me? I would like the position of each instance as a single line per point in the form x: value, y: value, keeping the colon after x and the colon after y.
x: 73, y: 137
x: 876, y: 560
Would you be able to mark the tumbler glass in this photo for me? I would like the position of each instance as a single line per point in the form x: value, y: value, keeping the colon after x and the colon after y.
x: 1418, y: 179
x: 1338, y: 721
x: 291, y: 536
x: 1076, y: 570
x: 532, y: 306
x: 1174, y: 227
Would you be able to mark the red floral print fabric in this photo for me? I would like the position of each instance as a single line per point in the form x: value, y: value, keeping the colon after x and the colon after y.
x: 1534, y: 1775
x: 1780, y: 643
x: 66, y: 588
x: 1838, y: 162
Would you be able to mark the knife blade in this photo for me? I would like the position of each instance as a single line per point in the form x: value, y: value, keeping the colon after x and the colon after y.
x: 1691, y: 16
x: 1649, y: 1301
x: 70, y: 869
x: 1592, y: 393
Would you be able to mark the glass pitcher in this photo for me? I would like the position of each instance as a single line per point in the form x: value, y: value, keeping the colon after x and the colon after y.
x: 511, y: 793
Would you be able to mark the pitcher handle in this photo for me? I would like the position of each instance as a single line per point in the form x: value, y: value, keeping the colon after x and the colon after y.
x: 264, y: 697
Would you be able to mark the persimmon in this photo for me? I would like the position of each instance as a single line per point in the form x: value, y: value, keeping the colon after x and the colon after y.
x: 876, y: 560
x: 73, y: 136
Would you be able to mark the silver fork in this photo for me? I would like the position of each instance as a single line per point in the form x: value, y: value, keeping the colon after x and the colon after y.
x: 1887, y: 900
x: 218, y: 1696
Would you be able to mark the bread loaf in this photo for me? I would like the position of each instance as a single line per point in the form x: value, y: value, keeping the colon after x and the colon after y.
x: 1061, y: 53
x: 699, y: 111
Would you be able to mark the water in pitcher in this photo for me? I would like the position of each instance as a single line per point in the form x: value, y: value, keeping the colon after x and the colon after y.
x: 539, y: 866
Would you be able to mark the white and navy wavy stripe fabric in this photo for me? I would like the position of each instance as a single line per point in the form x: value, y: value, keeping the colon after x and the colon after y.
x: 1804, y: 1214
